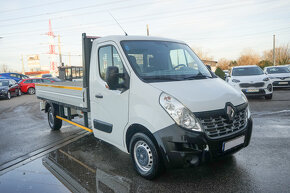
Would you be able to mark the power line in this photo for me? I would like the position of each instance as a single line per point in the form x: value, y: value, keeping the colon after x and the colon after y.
x: 138, y: 5
x: 33, y: 6
x: 65, y: 10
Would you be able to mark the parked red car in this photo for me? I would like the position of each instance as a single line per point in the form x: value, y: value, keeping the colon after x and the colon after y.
x: 28, y: 85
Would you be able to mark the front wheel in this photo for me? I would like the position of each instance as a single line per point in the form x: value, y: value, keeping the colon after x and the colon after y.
x: 19, y: 93
x: 268, y: 96
x: 54, y: 123
x: 144, y: 154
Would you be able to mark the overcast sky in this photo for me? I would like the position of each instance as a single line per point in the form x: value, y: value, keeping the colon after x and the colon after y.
x: 223, y: 28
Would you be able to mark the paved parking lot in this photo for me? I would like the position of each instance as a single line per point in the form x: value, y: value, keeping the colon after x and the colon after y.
x: 88, y: 164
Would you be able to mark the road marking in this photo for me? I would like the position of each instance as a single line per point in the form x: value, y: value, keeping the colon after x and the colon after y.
x: 57, y: 86
x: 76, y: 124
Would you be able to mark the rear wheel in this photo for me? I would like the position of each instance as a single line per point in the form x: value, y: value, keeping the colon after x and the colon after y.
x: 54, y: 123
x: 144, y: 154
x: 268, y: 96
x: 31, y: 91
x: 8, y: 95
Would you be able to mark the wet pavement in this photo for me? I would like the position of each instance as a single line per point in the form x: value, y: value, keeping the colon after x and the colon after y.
x: 90, y: 165
x: 24, y: 129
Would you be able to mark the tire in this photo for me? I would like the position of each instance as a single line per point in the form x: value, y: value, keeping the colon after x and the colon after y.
x: 268, y: 96
x: 147, y: 161
x: 8, y: 97
x: 19, y: 93
x: 54, y: 123
x: 31, y: 91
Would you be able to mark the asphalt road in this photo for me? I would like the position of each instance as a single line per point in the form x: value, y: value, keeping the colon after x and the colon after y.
x: 91, y: 165
x: 24, y: 129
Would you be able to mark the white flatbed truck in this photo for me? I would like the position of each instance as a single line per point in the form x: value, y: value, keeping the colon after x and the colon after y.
x: 153, y: 98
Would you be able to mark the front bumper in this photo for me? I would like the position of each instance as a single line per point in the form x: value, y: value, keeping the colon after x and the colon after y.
x: 180, y: 147
x: 3, y: 95
x: 258, y: 91
x: 281, y: 84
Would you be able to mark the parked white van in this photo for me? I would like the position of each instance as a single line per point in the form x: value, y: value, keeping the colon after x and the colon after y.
x: 251, y: 80
x: 153, y: 98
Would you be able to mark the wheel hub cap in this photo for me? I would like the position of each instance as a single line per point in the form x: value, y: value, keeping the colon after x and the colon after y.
x: 143, y: 156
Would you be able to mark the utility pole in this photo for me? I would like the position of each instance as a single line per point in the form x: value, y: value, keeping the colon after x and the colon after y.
x: 69, y: 59
x: 147, y: 26
x: 59, y: 51
x: 22, y: 64
x: 274, y: 60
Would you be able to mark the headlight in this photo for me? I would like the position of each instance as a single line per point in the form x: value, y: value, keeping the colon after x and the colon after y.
x: 179, y: 113
x: 266, y: 79
x: 236, y: 81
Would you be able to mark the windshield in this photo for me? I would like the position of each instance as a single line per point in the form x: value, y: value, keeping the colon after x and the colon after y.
x: 276, y: 70
x: 4, y: 82
x: 247, y: 71
x: 164, y: 61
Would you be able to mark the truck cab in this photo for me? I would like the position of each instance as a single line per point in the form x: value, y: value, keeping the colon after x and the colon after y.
x: 154, y: 99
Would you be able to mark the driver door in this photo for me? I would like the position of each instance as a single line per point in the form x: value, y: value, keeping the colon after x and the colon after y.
x: 109, y: 106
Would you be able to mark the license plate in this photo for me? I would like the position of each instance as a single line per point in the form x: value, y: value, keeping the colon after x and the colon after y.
x: 252, y: 90
x: 233, y: 143
x: 283, y: 83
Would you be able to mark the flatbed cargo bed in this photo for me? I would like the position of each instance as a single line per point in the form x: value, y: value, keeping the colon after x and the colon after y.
x: 67, y: 93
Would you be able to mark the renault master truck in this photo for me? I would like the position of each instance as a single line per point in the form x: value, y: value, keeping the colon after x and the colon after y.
x: 154, y: 99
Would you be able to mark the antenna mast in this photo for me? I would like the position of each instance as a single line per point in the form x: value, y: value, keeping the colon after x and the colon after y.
x: 118, y: 23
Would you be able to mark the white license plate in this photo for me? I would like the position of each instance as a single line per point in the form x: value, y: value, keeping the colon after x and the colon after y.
x: 233, y: 143
x: 252, y: 90
x: 283, y: 83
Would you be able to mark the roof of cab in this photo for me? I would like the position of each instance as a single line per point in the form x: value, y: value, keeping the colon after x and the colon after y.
x: 119, y: 38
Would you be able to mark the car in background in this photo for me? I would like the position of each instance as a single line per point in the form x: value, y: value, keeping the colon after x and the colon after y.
x: 9, y: 88
x: 251, y: 80
x: 28, y: 85
x: 55, y: 79
x: 46, y: 76
x: 279, y: 75
x: 226, y: 72
x: 15, y: 76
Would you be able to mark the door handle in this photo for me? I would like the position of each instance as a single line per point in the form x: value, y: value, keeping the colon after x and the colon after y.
x: 99, y: 96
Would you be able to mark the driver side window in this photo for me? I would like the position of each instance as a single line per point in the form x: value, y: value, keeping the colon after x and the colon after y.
x: 111, y: 68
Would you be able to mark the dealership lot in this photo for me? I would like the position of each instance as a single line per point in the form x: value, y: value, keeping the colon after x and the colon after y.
x: 87, y: 163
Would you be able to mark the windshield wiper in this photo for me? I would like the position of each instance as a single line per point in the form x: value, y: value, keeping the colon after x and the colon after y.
x: 198, y: 76
x: 165, y: 78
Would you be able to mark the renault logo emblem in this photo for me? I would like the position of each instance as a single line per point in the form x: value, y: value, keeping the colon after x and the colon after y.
x: 230, y: 112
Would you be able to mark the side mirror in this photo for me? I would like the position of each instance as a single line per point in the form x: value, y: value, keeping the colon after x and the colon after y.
x: 209, y: 67
x: 112, y: 77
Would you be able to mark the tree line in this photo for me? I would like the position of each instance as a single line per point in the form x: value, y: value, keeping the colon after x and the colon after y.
x: 250, y: 57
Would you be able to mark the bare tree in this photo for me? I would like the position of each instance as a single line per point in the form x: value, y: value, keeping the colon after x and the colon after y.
x: 282, y: 55
x: 248, y: 57
x: 224, y: 63
x: 202, y: 54
x: 4, y: 68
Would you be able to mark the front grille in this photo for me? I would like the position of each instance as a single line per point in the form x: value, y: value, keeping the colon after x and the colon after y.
x: 219, y: 126
x: 247, y: 85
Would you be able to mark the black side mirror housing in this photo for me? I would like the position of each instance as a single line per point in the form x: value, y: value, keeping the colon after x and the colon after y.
x: 112, y: 77
x: 209, y: 67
